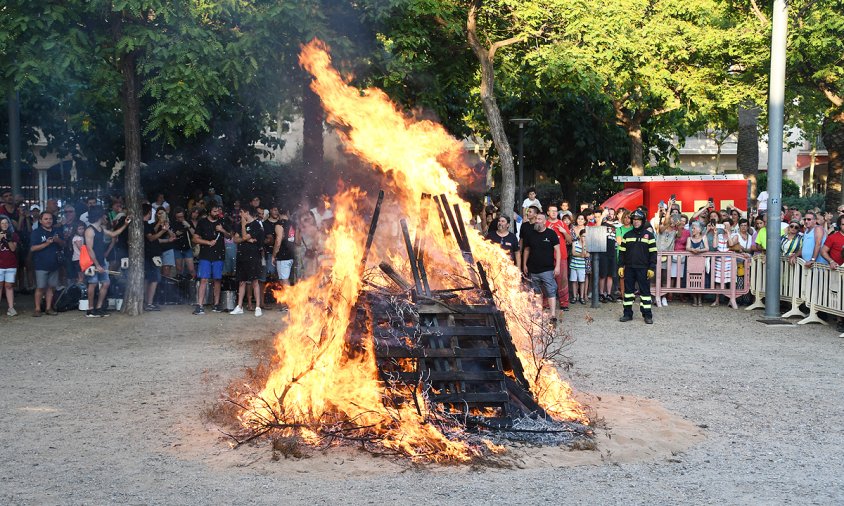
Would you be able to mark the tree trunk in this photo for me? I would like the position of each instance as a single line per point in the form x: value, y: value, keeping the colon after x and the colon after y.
x: 133, y: 299
x: 491, y: 111
x: 312, y: 129
x: 833, y: 139
x: 637, y: 149
x: 747, y: 148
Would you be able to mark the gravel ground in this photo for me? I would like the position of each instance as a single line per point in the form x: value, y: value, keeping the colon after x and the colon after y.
x: 109, y: 412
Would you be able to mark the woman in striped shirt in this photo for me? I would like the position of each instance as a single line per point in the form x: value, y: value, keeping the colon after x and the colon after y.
x: 577, y: 268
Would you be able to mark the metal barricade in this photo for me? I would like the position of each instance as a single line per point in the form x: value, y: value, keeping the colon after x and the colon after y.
x: 714, y: 273
x: 795, y: 280
x: 757, y: 282
x: 825, y: 293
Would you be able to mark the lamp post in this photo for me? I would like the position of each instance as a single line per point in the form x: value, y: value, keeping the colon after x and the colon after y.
x: 775, y: 139
x: 521, y: 122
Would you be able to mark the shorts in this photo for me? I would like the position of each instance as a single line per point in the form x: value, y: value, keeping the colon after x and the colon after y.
x: 152, y: 272
x: 168, y: 258
x: 43, y: 279
x: 577, y: 275
x: 98, y: 277
x: 284, y: 267
x: 210, y: 269
x: 8, y: 275
x: 607, y: 264
x: 544, y: 282
x: 249, y: 269
x: 183, y: 254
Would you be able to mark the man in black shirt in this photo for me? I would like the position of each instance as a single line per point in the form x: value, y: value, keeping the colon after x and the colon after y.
x: 525, y: 230
x: 542, y: 261
x: 210, y: 235
x: 152, y: 256
x: 250, y: 250
x: 504, y: 238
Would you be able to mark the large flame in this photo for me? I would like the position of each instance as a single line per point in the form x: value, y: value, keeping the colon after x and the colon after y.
x: 317, y: 378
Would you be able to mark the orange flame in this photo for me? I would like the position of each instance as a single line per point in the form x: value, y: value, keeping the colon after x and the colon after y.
x: 412, y: 153
x: 318, y: 378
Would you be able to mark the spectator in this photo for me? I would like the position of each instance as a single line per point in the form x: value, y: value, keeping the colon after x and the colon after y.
x: 814, y: 236
x: 250, y: 247
x: 531, y: 200
x: 10, y: 210
x: 833, y: 252
x: 89, y: 203
x: 577, y: 267
x: 67, y: 271
x: 608, y: 261
x: 665, y: 241
x: 285, y: 238
x: 182, y: 248
x: 311, y: 241
x: 46, y: 245
x: 542, y: 262
x: 160, y: 203
x: 234, y: 215
x: 212, y: 254
x: 77, y: 241
x: 118, y: 249
x: 153, y: 231
x: 212, y: 199
x: 792, y: 242
x: 696, y: 244
x: 504, y: 238
x: 564, y: 236
x: 624, y: 226
x: 723, y: 267
x: 269, y: 241
x: 196, y: 200
x: 760, y: 241
x: 96, y: 245
x: 166, y: 242
x: 8, y: 262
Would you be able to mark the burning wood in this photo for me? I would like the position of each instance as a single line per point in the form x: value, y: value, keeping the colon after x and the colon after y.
x: 394, y: 365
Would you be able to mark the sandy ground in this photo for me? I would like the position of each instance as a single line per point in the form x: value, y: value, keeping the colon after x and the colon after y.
x: 707, y: 406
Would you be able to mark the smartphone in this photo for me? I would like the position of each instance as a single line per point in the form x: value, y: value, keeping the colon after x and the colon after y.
x: 673, y: 196
x: 720, y: 226
x: 712, y: 222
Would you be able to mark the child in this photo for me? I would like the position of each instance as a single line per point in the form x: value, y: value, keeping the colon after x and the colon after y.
x: 697, y: 244
x: 578, y: 267
x: 78, y: 241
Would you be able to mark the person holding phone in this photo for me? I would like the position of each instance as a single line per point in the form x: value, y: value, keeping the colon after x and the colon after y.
x: 47, y: 244
x: 8, y: 262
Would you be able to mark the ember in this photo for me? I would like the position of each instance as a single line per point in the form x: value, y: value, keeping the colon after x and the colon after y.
x: 403, y: 358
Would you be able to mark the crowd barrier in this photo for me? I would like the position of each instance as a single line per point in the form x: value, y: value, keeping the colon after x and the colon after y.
x: 824, y: 293
x: 714, y: 273
x: 795, y: 280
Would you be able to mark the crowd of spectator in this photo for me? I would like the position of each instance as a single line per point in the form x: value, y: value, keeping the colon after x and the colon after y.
x: 198, y: 243
x: 812, y: 235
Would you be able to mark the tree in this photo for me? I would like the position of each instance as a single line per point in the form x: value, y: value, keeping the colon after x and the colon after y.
x: 648, y: 58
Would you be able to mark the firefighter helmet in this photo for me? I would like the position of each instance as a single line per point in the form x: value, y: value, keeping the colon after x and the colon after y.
x: 637, y: 215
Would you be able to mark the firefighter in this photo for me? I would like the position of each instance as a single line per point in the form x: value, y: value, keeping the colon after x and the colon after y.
x: 637, y: 255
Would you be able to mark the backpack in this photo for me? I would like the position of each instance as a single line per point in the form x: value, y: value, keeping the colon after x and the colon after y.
x: 68, y: 299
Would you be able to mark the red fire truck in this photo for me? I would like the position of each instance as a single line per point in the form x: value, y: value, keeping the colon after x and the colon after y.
x: 692, y: 192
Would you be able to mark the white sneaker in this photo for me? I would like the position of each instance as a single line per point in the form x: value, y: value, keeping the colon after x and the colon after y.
x: 664, y: 302
x: 11, y: 312
x: 236, y: 310
x: 258, y: 311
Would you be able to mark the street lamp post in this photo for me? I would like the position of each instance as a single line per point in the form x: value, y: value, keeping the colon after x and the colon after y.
x: 521, y: 122
x: 776, y: 104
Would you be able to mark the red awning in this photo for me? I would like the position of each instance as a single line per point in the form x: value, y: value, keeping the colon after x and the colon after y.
x: 628, y: 198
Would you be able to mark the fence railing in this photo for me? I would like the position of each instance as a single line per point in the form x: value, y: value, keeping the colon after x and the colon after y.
x: 714, y: 273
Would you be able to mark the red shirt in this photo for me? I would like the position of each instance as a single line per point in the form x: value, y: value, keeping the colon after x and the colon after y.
x: 835, y: 243
x: 8, y: 258
x: 559, y: 227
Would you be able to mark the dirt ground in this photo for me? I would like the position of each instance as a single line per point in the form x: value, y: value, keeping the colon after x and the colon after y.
x: 707, y: 406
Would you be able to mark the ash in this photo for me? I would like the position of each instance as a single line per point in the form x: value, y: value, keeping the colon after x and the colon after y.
x: 537, y: 432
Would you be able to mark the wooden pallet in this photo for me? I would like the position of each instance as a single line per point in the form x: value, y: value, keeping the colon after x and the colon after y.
x: 466, y: 356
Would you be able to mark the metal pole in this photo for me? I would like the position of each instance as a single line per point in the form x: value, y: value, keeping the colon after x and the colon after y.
x: 521, y: 168
x: 595, y: 281
x: 15, y: 140
x: 775, y: 141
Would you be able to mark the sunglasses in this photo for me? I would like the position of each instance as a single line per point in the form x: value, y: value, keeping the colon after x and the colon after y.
x: 808, y: 219
x: 794, y: 226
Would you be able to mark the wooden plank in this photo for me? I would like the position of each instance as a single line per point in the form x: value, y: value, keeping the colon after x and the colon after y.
x: 413, y: 377
x: 477, y: 398
x: 524, y: 397
x: 459, y: 331
x: 456, y: 309
x: 437, y: 353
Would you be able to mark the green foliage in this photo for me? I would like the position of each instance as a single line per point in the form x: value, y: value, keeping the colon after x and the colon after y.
x: 813, y: 201
x: 789, y: 187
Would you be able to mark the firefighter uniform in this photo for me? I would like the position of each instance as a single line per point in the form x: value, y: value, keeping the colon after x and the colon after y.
x: 637, y: 256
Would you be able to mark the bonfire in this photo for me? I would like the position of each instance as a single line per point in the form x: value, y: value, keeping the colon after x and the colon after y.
x: 337, y: 375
